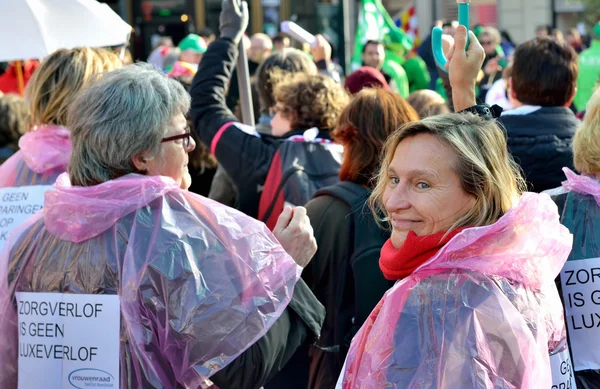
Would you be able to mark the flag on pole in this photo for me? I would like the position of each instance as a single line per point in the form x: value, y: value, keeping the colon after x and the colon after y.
x: 374, y: 23
x: 409, y: 23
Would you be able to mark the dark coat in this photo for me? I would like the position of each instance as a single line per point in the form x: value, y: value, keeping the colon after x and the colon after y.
x: 349, y: 291
x: 245, y: 154
x: 540, y: 143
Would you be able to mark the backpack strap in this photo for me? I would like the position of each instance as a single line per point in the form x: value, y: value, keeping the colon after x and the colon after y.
x: 355, y: 196
x: 367, y: 239
x: 350, y: 193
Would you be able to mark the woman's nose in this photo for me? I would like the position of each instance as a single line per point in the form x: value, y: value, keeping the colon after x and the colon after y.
x: 397, y: 200
x: 191, y: 146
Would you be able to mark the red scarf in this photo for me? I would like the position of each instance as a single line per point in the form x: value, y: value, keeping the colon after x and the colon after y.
x: 397, y: 264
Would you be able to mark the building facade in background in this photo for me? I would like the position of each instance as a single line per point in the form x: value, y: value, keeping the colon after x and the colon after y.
x: 336, y: 19
x: 519, y: 17
x: 177, y: 18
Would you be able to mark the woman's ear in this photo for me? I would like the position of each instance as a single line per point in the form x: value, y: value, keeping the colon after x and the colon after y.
x: 140, y: 162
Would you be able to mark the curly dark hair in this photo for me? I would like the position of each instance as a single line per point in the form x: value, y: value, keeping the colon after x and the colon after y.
x: 287, y: 60
x: 311, y: 100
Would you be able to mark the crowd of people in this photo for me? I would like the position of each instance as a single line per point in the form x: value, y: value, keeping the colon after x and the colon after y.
x: 400, y: 225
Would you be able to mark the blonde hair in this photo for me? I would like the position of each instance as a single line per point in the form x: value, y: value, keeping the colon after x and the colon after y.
x: 493, y: 33
x: 486, y: 169
x: 586, y: 144
x: 53, y: 86
x: 110, y: 59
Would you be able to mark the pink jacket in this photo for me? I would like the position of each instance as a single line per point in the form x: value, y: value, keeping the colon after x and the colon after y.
x: 482, y: 313
x: 198, y: 282
x: 44, y: 154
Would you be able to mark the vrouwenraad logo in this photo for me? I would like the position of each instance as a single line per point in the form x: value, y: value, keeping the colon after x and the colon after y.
x: 92, y: 378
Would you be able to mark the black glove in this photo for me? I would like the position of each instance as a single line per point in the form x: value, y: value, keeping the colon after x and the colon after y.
x: 233, y: 20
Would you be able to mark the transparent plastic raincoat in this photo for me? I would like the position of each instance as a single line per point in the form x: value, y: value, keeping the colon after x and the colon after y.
x: 484, y: 312
x: 579, y: 205
x: 44, y: 154
x: 198, y: 282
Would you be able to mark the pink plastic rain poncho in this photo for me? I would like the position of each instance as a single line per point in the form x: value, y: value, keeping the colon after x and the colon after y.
x: 482, y: 313
x: 44, y: 154
x: 581, y: 184
x: 220, y: 277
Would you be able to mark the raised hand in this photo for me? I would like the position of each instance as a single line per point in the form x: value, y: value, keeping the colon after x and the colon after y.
x: 463, y: 68
x: 233, y: 20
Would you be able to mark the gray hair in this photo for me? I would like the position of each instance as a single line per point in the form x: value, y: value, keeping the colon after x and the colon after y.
x: 120, y: 115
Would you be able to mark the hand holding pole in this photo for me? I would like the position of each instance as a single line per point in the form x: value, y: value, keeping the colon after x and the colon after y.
x: 436, y: 34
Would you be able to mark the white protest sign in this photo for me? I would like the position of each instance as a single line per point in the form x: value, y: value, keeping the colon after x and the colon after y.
x: 17, y: 205
x: 297, y: 32
x: 562, y: 370
x: 581, y: 291
x: 68, y: 340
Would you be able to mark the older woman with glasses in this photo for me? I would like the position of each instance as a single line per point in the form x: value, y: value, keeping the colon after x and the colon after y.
x: 203, y: 289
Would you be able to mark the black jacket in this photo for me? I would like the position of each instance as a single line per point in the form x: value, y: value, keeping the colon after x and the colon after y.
x: 244, y: 154
x: 233, y: 94
x: 540, y: 143
x: 348, y: 286
x: 300, y: 323
x: 246, y: 158
x: 425, y: 51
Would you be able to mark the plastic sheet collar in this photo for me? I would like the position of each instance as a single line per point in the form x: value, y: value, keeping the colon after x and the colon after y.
x: 46, y: 147
x: 586, y: 185
x: 77, y: 214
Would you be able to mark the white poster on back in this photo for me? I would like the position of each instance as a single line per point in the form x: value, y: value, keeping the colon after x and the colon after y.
x: 68, y: 340
x: 17, y: 205
x: 562, y: 370
x: 580, y: 281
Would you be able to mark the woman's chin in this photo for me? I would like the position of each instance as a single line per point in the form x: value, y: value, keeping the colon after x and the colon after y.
x: 398, y: 238
x: 186, y: 181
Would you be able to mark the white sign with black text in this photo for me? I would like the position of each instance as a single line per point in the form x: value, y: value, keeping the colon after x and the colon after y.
x: 562, y: 370
x: 68, y: 340
x: 17, y: 205
x: 580, y: 281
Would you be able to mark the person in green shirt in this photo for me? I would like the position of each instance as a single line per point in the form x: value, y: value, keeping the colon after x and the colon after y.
x: 399, y: 79
x: 417, y: 75
x: 589, y: 71
x: 416, y: 70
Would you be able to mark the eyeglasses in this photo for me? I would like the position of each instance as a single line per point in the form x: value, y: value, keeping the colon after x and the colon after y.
x: 185, y: 137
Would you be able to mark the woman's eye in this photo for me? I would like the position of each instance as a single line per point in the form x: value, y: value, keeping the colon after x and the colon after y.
x: 423, y: 185
x: 394, y: 180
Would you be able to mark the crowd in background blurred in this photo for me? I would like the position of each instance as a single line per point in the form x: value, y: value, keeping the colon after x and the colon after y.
x: 362, y: 178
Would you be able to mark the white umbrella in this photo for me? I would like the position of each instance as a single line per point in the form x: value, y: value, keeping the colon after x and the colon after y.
x: 37, y: 28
